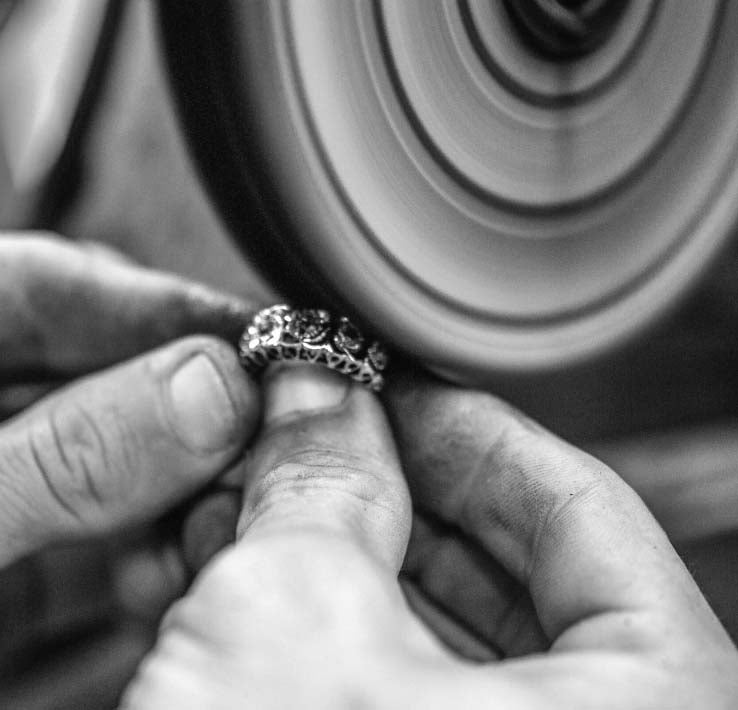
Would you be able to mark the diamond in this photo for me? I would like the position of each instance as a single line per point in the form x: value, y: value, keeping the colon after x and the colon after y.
x: 377, y: 356
x: 347, y: 337
x: 310, y: 325
x: 267, y: 326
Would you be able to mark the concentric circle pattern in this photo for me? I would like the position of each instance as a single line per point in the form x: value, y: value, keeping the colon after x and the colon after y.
x: 485, y: 206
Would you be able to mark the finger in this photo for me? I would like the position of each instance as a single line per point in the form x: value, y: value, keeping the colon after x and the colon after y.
x: 459, y: 576
x: 102, y: 249
x: 15, y: 398
x: 68, y: 310
x: 313, y: 574
x: 189, y: 537
x: 147, y: 579
x: 455, y: 635
x: 326, y: 462
x: 560, y: 521
x: 209, y: 527
x: 124, y: 445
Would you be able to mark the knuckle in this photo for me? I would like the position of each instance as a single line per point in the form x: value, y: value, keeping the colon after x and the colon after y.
x: 34, y: 256
x: 331, y: 497
x: 571, y: 508
x: 74, y: 456
x: 358, y: 480
x: 24, y: 258
x: 561, y: 507
x: 28, y: 247
x: 33, y: 268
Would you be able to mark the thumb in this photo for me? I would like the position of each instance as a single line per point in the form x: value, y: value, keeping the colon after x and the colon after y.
x: 286, y: 615
x: 124, y: 445
x: 326, y: 463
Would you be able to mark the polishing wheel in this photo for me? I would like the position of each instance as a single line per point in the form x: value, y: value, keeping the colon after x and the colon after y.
x: 491, y: 186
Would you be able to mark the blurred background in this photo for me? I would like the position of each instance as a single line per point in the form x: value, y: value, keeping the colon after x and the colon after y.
x: 92, y: 146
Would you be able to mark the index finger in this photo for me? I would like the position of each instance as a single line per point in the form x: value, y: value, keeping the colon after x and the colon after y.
x: 559, y: 520
x: 67, y: 310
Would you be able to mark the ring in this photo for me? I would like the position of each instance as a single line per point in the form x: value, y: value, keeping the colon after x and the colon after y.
x: 312, y: 335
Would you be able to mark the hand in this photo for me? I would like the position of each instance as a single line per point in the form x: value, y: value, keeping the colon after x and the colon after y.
x: 91, y: 444
x: 525, y: 545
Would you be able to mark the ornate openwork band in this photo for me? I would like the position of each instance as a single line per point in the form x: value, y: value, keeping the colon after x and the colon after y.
x: 312, y: 335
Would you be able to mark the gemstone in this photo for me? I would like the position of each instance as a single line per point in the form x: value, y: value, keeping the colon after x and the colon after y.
x: 377, y: 356
x: 310, y: 325
x: 267, y: 326
x: 347, y: 337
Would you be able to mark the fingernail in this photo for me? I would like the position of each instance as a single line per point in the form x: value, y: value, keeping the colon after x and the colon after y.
x: 204, y: 414
x: 301, y: 390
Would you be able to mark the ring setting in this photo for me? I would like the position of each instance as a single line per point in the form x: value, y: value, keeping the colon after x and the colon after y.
x: 312, y: 335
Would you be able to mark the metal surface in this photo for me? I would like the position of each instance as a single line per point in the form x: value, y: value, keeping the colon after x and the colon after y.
x: 483, y: 207
x: 315, y: 336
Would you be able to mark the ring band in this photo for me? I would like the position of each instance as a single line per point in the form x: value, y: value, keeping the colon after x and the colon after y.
x: 312, y: 335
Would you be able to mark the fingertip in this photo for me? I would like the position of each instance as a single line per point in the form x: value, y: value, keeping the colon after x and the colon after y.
x: 309, y: 407
x: 223, y: 314
x: 213, y: 403
x: 325, y: 460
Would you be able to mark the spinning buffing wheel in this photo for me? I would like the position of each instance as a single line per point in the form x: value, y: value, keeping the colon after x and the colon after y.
x: 493, y: 186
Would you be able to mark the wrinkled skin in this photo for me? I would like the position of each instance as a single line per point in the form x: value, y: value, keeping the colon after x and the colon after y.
x: 532, y: 575
x: 523, y: 547
x: 89, y: 448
